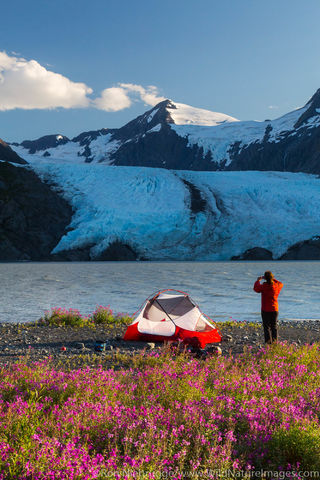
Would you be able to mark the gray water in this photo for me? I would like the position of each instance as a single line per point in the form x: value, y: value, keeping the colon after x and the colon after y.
x: 223, y: 290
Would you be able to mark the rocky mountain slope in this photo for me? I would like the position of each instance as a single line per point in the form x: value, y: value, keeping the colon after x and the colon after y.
x: 9, y: 155
x: 33, y: 218
x: 176, y: 136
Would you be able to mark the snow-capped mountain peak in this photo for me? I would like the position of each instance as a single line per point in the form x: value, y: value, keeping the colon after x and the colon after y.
x: 177, y: 136
x: 170, y: 112
x: 44, y: 143
x: 182, y: 114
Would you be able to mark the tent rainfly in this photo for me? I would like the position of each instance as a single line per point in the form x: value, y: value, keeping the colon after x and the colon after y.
x: 171, y: 315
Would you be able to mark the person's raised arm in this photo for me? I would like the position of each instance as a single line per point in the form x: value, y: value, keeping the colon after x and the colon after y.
x: 257, y: 287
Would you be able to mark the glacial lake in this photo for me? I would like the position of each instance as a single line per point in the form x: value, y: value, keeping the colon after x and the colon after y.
x: 223, y: 290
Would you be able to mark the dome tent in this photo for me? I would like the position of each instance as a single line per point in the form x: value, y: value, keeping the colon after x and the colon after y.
x: 171, y: 315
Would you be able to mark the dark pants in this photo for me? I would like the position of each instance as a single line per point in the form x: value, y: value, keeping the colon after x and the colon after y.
x: 270, y: 326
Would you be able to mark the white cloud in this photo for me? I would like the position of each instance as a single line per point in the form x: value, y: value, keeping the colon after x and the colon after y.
x: 26, y: 84
x: 112, y: 99
x: 149, y: 95
x: 120, y: 97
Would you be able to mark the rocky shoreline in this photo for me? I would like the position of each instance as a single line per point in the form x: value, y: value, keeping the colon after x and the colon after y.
x: 69, y: 346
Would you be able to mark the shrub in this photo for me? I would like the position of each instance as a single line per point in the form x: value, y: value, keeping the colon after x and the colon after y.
x: 63, y: 317
x: 123, y: 319
x: 101, y: 316
x: 105, y: 316
x: 299, y: 443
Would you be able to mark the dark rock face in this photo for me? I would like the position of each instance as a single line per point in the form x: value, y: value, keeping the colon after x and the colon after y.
x: 86, y: 137
x: 306, y: 250
x: 294, y: 153
x: 197, y: 203
x: 314, y: 104
x: 33, y: 218
x: 256, y: 253
x: 118, y: 251
x: 7, y: 154
x: 163, y: 149
x: 145, y: 122
x: 297, y: 150
x: 74, y: 255
x: 42, y: 143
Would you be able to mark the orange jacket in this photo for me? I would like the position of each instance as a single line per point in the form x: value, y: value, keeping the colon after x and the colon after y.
x: 269, y: 295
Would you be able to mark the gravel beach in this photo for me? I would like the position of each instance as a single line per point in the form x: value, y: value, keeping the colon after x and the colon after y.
x: 75, y: 346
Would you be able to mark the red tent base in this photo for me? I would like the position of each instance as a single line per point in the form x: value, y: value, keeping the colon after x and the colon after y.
x: 188, y: 337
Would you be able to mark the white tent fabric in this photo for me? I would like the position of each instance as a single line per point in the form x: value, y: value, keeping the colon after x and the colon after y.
x: 172, y: 317
x: 166, y: 328
x: 154, y: 320
x: 157, y: 323
x: 189, y: 320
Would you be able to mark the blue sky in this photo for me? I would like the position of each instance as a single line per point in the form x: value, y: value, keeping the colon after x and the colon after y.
x: 250, y: 59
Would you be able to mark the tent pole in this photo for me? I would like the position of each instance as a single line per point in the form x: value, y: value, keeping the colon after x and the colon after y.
x: 165, y: 312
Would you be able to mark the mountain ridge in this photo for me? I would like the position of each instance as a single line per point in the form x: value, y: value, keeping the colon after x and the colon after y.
x: 177, y: 136
x: 8, y: 154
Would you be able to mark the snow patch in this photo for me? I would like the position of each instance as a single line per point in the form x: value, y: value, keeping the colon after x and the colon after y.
x: 183, y: 114
x: 72, y: 152
x: 157, y: 128
x: 152, y: 114
x: 102, y: 148
x: 67, y: 153
x: 219, y: 139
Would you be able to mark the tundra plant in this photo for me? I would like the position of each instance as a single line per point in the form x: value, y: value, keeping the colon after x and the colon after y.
x: 164, y: 417
x: 101, y: 316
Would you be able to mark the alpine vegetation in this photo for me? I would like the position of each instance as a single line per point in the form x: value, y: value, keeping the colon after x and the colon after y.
x: 164, y: 415
x: 72, y: 317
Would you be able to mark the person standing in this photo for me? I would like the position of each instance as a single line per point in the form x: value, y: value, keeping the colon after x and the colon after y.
x: 269, y: 290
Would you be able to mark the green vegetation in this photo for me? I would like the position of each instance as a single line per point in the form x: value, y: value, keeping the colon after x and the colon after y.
x: 70, y: 317
x: 163, y: 414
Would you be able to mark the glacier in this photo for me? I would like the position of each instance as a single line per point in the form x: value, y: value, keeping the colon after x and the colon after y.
x: 152, y: 209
